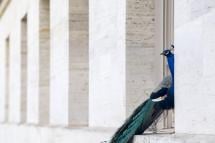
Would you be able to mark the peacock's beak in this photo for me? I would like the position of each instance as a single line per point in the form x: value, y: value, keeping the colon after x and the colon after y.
x: 162, y: 53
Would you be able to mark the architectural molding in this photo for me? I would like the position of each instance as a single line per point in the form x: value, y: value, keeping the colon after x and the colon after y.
x: 164, y: 16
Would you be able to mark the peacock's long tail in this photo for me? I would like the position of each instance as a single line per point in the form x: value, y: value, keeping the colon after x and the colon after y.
x: 143, y: 116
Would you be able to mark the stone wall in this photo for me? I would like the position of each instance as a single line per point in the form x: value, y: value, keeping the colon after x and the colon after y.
x: 107, y: 63
x: 24, y: 54
x: 79, y: 62
x: 195, y: 56
x: 44, y: 60
x: 58, y: 59
x: 121, y: 66
x: 140, y: 51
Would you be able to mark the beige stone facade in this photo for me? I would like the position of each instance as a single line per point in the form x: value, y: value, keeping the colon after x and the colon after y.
x: 74, y: 70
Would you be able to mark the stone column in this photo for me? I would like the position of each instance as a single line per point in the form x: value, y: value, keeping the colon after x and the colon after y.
x: 33, y: 64
x: 2, y: 77
x: 107, y: 97
x: 124, y: 60
x: 69, y: 62
x: 38, y: 62
x: 59, y: 99
x: 14, y: 74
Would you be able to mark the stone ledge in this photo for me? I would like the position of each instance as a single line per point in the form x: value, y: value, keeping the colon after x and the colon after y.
x: 13, y: 133
x: 174, y: 138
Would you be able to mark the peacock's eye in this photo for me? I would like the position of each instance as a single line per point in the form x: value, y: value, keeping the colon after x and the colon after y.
x: 167, y: 52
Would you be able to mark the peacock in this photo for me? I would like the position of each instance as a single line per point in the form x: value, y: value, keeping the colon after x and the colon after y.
x: 144, y: 115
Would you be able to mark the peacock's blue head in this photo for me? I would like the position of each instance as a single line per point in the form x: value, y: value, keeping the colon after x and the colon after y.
x: 167, y: 52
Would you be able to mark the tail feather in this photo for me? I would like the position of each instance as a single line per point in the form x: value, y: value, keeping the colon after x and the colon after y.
x: 138, y: 122
x: 127, y: 122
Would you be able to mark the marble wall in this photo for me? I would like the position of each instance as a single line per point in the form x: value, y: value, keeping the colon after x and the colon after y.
x: 194, y: 42
x: 33, y: 59
x: 71, y: 83
x: 59, y: 90
x: 58, y: 84
x: 107, y: 101
x: 14, y: 91
x: 122, y: 58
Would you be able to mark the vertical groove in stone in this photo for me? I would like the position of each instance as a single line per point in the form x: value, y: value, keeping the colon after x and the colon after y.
x: 24, y: 52
x: 44, y: 61
x: 7, y: 79
x: 140, y: 51
x: 78, y: 62
x: 168, y: 39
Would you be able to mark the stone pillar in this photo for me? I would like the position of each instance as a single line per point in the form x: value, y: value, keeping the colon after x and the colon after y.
x: 107, y: 97
x: 69, y: 62
x: 123, y: 71
x: 3, y: 78
x: 38, y: 62
x: 33, y: 64
x: 59, y: 99
x: 14, y: 74
x: 195, y: 56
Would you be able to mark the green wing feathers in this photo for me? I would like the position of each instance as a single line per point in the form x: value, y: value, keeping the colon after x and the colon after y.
x: 138, y: 122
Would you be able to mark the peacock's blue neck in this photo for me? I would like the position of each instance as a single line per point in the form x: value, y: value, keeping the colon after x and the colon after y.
x: 170, y: 60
